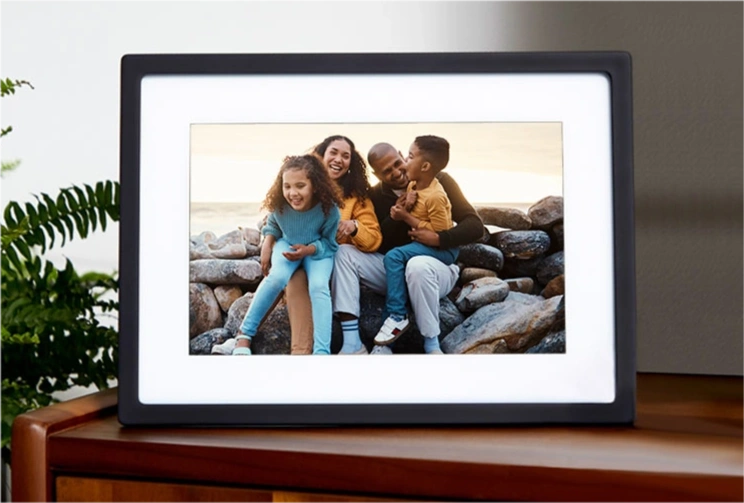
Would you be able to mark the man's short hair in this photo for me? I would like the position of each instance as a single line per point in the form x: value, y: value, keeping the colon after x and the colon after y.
x: 435, y: 150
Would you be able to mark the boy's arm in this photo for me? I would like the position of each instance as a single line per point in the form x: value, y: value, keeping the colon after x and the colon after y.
x: 327, y: 241
x: 469, y: 228
x: 393, y: 233
x: 368, y: 236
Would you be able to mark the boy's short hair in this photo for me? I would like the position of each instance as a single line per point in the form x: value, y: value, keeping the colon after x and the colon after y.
x: 435, y: 150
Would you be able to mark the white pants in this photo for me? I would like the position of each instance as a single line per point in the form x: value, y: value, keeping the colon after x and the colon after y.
x: 427, y: 279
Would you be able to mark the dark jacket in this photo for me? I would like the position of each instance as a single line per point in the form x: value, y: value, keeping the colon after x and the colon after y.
x: 469, y: 228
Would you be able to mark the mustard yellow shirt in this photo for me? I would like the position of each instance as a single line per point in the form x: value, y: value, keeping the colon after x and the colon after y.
x: 432, y: 208
x: 369, y: 236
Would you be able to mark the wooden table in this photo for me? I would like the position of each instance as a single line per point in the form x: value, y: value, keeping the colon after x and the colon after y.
x: 686, y: 446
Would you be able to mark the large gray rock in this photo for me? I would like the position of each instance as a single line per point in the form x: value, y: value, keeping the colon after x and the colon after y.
x: 546, y: 212
x: 550, y: 267
x: 506, y: 218
x: 202, y: 343
x: 481, y: 255
x: 552, y: 343
x: 204, y: 311
x: 521, y: 244
x: 203, y: 238
x: 514, y: 325
x: 481, y: 292
x: 469, y: 274
x: 226, y: 295
x: 237, y: 311
x: 225, y: 272
x: 517, y: 268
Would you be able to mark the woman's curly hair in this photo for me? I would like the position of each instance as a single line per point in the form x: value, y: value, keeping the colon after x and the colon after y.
x: 325, y: 191
x: 354, y: 182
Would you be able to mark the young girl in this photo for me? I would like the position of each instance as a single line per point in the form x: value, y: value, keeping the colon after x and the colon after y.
x: 300, y: 231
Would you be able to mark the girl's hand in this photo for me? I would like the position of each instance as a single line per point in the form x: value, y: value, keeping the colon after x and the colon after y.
x: 266, y: 248
x: 265, y: 262
x: 299, y: 252
x: 345, y: 228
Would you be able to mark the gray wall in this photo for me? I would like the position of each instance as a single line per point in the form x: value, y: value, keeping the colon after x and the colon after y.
x: 687, y: 98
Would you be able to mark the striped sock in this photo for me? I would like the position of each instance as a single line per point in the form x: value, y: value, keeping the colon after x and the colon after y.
x: 352, y: 341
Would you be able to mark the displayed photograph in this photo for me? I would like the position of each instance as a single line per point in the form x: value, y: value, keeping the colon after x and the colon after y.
x: 376, y: 239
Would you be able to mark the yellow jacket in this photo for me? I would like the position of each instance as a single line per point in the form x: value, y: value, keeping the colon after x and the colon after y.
x: 369, y: 237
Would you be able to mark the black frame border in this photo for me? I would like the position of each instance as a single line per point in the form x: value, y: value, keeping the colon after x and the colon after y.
x: 615, y: 64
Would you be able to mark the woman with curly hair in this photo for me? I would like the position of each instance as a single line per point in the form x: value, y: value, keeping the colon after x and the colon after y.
x: 358, y: 227
x: 300, y: 231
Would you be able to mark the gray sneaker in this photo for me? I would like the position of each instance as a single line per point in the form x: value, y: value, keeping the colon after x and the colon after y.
x: 226, y: 348
x: 381, y: 350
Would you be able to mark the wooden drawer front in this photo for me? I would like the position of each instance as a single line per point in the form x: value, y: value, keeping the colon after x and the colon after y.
x: 98, y: 489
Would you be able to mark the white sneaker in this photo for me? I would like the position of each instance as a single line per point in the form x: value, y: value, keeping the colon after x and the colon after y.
x: 391, y: 330
x: 226, y: 348
x: 381, y: 350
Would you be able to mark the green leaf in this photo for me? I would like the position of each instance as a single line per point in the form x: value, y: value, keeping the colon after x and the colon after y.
x: 102, y: 218
x: 50, y: 232
x: 32, y: 214
x: 70, y: 226
x: 71, y: 201
x: 93, y: 217
x: 23, y: 249
x: 51, y: 206
x: 84, y: 203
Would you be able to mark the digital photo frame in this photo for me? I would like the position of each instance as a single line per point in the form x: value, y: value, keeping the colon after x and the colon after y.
x: 530, y: 135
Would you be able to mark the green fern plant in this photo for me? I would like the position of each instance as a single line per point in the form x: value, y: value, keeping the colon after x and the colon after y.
x: 52, y: 338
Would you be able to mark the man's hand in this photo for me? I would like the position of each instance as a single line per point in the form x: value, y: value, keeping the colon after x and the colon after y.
x: 345, y: 228
x: 425, y: 237
x: 299, y: 252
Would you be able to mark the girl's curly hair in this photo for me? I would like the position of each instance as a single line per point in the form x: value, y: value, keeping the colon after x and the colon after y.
x: 354, y: 182
x: 325, y: 191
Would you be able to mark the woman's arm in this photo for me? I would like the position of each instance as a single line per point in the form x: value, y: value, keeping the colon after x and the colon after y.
x: 368, y: 236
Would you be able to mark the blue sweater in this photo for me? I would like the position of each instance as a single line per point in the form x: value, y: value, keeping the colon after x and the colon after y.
x: 309, y: 227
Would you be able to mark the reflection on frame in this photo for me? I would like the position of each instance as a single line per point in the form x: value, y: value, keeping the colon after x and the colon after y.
x: 446, y: 239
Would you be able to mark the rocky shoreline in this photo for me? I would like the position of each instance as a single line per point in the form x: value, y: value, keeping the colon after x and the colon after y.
x: 509, y: 299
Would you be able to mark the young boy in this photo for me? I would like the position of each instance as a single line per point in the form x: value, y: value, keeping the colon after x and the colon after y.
x: 428, y: 208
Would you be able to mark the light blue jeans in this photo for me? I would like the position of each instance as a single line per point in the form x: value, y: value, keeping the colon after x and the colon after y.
x: 395, y: 269
x: 318, y: 275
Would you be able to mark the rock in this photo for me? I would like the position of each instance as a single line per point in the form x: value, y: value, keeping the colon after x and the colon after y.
x: 204, y: 311
x: 226, y: 295
x: 550, y: 267
x: 274, y: 336
x: 203, y: 238
x: 552, y: 343
x: 469, y: 274
x: 521, y: 244
x: 546, y: 212
x: 225, y: 272
x: 202, y: 343
x: 555, y: 287
x: 252, y: 250
x: 517, y: 268
x: 252, y: 236
x: 481, y: 292
x: 237, y: 311
x: 520, y: 322
x: 199, y: 251
x: 522, y: 285
x: 481, y: 255
x: 556, y: 238
x: 228, y: 246
x: 507, y: 218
